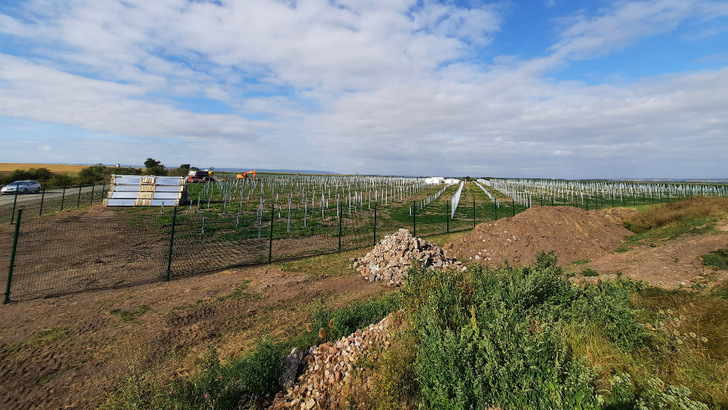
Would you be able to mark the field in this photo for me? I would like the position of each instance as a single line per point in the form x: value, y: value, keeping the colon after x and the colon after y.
x: 8, y: 167
x: 136, y: 346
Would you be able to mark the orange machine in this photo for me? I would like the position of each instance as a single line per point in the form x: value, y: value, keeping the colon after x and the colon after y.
x: 246, y: 175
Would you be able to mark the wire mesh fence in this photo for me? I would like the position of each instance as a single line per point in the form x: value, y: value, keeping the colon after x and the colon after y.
x: 98, y: 247
x: 51, y: 200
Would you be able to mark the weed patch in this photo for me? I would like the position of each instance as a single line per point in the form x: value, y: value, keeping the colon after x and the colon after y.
x: 46, y: 337
x: 589, y: 272
x: 671, y: 220
x: 717, y: 259
x: 130, y: 316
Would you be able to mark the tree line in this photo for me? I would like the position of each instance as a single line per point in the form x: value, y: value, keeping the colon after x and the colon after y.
x: 93, y: 174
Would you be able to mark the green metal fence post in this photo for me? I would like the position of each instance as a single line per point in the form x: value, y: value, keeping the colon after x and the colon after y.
x: 447, y: 215
x: 495, y: 209
x: 374, y: 243
x: 171, y: 243
x: 63, y: 197
x: 93, y: 186
x: 473, y: 212
x: 270, y: 244
x: 587, y: 203
x: 12, y: 259
x: 15, y: 201
x: 42, y: 198
x: 78, y: 201
x: 513, y: 208
x: 414, y: 218
x: 341, y: 213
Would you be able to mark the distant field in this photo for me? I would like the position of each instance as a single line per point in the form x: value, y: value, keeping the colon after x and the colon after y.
x: 6, y: 167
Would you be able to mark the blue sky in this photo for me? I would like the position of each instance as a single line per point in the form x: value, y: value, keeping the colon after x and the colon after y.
x: 540, y: 88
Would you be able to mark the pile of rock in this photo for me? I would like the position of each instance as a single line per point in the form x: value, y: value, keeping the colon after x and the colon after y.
x: 329, y: 368
x: 391, y: 258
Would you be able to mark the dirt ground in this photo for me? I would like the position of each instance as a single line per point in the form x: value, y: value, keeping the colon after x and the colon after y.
x: 673, y: 264
x: 72, y: 351
x: 573, y: 233
x: 589, y: 239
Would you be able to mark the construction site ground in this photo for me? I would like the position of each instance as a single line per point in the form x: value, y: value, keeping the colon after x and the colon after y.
x: 73, y: 351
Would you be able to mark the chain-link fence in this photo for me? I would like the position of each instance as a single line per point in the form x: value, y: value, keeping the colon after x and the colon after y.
x: 98, y: 247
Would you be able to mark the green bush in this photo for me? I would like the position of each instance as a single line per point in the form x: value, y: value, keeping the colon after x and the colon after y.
x: 717, y: 259
x: 346, y: 320
x: 225, y: 387
x: 589, y: 272
x: 494, y: 337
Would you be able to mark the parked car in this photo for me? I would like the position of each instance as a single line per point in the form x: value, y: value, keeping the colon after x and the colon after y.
x: 23, y: 187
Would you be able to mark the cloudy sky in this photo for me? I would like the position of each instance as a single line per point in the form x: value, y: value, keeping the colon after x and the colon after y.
x: 529, y: 88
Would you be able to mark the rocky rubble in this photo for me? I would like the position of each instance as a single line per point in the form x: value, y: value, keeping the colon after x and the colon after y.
x: 391, y: 258
x: 329, y: 368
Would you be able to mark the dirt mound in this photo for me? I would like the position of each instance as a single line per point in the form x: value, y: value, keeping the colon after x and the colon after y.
x: 573, y: 233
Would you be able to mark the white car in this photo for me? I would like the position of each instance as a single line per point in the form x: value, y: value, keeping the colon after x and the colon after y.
x: 19, y: 187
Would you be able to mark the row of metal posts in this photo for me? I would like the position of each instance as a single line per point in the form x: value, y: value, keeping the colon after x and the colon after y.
x: 63, y: 199
x: 270, y: 243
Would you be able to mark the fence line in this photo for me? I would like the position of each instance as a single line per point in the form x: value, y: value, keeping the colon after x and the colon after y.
x: 99, y: 247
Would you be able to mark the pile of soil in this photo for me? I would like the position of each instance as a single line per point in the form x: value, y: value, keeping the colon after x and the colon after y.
x: 573, y: 233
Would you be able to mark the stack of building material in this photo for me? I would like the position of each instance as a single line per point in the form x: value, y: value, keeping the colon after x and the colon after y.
x: 146, y: 190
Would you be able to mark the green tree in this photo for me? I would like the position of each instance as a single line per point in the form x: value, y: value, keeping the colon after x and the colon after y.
x: 183, y: 170
x: 154, y: 167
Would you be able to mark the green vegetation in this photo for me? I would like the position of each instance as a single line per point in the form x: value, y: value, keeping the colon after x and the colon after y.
x: 589, y: 272
x: 717, y: 259
x: 510, y: 338
x: 130, y: 316
x: 98, y: 173
x: 655, y: 224
x: 245, y: 381
x: 324, y: 266
x: 528, y: 338
x: 240, y: 292
x: 46, y: 336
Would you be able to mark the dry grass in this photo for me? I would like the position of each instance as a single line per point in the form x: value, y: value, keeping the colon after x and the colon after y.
x: 8, y: 167
x: 673, y: 212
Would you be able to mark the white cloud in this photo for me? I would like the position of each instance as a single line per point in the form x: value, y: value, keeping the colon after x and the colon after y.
x: 385, y: 86
x: 627, y: 21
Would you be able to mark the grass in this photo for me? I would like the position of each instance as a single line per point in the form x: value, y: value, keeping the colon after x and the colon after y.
x: 46, y: 337
x: 589, y: 272
x: 656, y: 224
x: 240, y: 292
x: 324, y: 266
x: 717, y: 259
x: 249, y: 380
x: 130, y: 316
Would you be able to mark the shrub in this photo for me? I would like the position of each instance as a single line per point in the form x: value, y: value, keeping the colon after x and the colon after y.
x: 717, y: 259
x: 495, y: 337
x: 589, y: 272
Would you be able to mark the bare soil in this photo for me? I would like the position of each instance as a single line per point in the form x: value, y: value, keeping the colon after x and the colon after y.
x: 589, y: 239
x: 72, y: 351
x: 674, y: 264
x: 573, y: 233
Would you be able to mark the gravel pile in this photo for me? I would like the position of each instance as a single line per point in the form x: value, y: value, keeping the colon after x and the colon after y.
x: 391, y: 258
x: 328, y: 369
